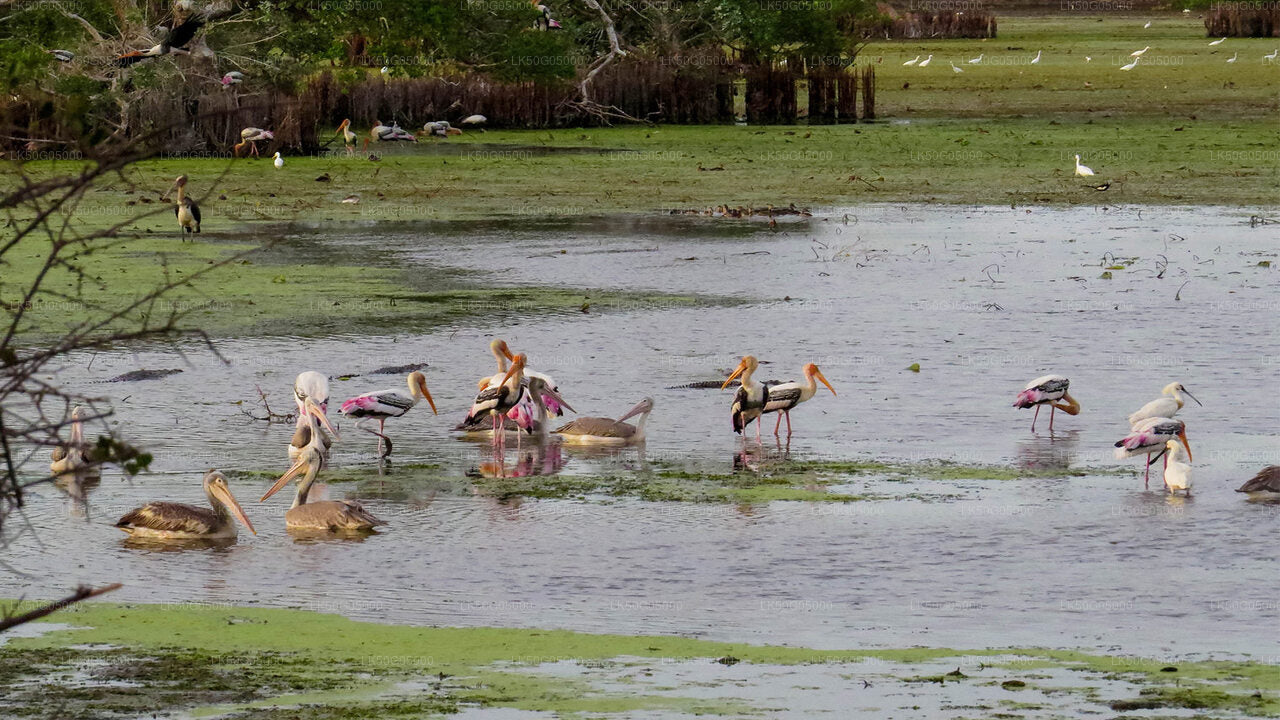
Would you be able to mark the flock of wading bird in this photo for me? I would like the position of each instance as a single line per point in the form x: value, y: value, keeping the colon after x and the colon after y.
x: 520, y: 401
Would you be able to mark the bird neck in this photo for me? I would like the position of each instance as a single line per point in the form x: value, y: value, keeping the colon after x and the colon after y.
x: 219, y: 508
x: 182, y: 194
x: 304, y: 487
x: 644, y: 418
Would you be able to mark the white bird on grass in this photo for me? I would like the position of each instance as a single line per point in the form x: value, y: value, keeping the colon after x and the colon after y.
x: 1219, y: 41
x: 1233, y: 58
x: 976, y: 60
x: 1272, y: 56
x: 1140, y: 53
x: 1144, y: 27
x: 925, y: 62
x: 1131, y: 65
x: 956, y: 69
x: 1082, y: 170
x: 279, y: 161
x: 912, y: 61
x: 1035, y: 60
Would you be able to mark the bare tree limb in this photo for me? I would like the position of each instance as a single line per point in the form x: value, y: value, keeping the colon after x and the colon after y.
x: 84, y: 592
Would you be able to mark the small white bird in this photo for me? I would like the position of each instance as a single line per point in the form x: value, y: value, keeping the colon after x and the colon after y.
x: 1140, y: 53
x: 1219, y: 41
x: 925, y: 62
x: 279, y: 161
x: 1036, y: 59
x: 954, y: 68
x: 1233, y: 58
x: 912, y: 61
x: 386, y: 70
x: 1144, y: 27
x: 1177, y: 474
x: 474, y: 120
x: 1088, y: 58
x: 1131, y: 65
x: 1082, y: 170
x: 976, y: 60
x: 1272, y: 56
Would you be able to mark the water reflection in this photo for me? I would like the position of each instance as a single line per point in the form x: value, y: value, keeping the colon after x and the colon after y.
x: 1048, y: 452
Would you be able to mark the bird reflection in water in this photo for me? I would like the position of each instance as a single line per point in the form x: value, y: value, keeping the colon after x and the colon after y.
x: 1048, y: 452
x: 530, y: 461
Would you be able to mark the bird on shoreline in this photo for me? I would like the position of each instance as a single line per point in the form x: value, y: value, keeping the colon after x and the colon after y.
x: 1083, y: 170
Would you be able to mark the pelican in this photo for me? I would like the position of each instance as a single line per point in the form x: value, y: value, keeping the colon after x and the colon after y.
x: 1036, y: 60
x: 1165, y: 406
x: 383, y: 404
x: 1149, y: 436
x: 70, y: 458
x: 308, y: 433
x: 1131, y: 65
x: 250, y: 137
x: 975, y: 61
x: 1177, y: 474
x: 785, y: 396
x: 176, y: 521
x: 1266, y: 482
x: 925, y: 62
x: 279, y: 161
x: 1140, y: 53
x: 604, y: 431
x: 311, y: 393
x: 1047, y: 389
x: 185, y: 209
x: 1219, y: 41
x: 326, y: 515
x: 1083, y: 170
x: 912, y: 61
x: 348, y: 137
x: 751, y: 398
x: 530, y: 414
x: 234, y: 77
x: 440, y: 128
x: 497, y: 399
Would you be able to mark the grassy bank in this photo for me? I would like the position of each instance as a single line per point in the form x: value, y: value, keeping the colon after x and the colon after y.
x: 217, y: 661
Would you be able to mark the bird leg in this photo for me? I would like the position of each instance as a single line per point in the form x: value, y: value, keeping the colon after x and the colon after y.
x: 788, y: 414
x: 1052, y: 410
x: 778, y: 425
x: 1033, y: 419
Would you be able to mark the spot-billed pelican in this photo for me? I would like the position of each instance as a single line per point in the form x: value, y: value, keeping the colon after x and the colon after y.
x: 1149, y: 436
x: 605, y: 431
x: 185, y: 209
x: 311, y: 394
x: 383, y: 404
x: 1047, y: 389
x: 1266, y: 482
x: 1177, y: 474
x: 749, y: 401
x: 1083, y: 170
x: 176, y: 521
x: 498, y: 399
x: 785, y: 396
x: 326, y: 515
x: 70, y: 458
x: 1165, y: 406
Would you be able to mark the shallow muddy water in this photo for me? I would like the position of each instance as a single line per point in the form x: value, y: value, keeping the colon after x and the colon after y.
x: 983, y: 299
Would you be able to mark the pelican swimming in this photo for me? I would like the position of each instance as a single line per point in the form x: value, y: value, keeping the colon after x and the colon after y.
x: 497, y: 399
x: 785, y: 396
x: 1047, y: 389
x: 184, y: 209
x: 1266, y: 482
x: 605, y: 431
x: 325, y: 515
x: 308, y: 434
x: 749, y: 401
x: 1165, y: 406
x: 383, y: 404
x: 176, y: 521
x: 1177, y: 474
x: 1149, y: 436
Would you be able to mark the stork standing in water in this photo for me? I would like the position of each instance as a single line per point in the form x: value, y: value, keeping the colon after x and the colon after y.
x: 785, y: 396
x: 1149, y: 436
x: 176, y: 521
x: 749, y: 401
x: 311, y: 394
x: 1177, y: 474
x: 326, y: 515
x: 185, y: 209
x: 383, y: 404
x: 348, y: 137
x: 1165, y: 406
x: 250, y: 137
x: 606, y: 431
x: 1047, y: 389
x: 497, y: 399
x: 502, y: 353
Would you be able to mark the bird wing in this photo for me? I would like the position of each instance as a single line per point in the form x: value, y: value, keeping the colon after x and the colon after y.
x: 379, y: 402
x: 1267, y: 480
x: 598, y: 427
x: 171, y: 517
x: 1158, y: 408
x: 332, y: 515
x: 195, y: 210
x: 783, y: 397
x: 182, y: 34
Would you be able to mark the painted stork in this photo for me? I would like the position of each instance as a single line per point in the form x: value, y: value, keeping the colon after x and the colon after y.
x: 502, y: 353
x: 785, y: 396
x: 1266, y: 482
x: 544, y: 22
x: 384, y: 404
x: 279, y: 161
x: 1165, y: 406
x: 1149, y: 436
x: 234, y: 77
x: 1047, y: 389
x: 1177, y: 474
x: 497, y: 399
x: 175, y: 40
x: 606, y: 431
x: 440, y: 128
x: 326, y: 515
x: 250, y: 137
x: 388, y: 133
x: 530, y: 414
x: 348, y: 137
x: 751, y: 398
x: 64, y: 56
x: 176, y: 521
x: 70, y: 458
x: 185, y: 209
